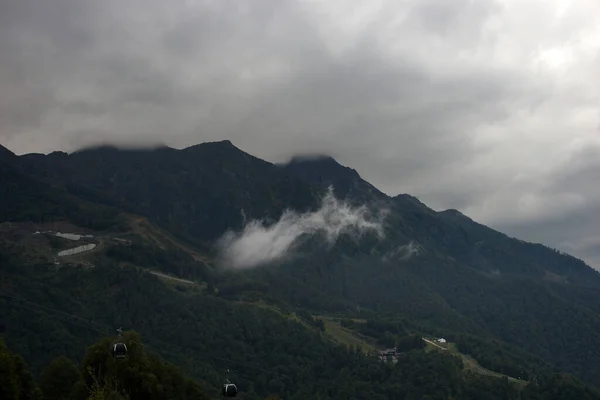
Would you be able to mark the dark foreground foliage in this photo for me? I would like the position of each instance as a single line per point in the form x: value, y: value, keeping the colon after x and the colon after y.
x: 268, y: 353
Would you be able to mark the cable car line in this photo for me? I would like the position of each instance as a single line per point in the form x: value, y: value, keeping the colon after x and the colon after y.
x: 120, y: 348
x: 106, y: 332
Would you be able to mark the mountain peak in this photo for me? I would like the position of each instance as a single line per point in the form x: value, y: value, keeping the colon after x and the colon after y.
x: 455, y: 214
x: 312, y: 158
x: 221, y: 148
x: 321, y: 162
x: 58, y: 154
x: 108, y: 148
x: 225, y: 142
x: 221, y: 144
x: 223, y: 151
x: 6, y: 156
x: 324, y: 170
x: 5, y: 153
x: 102, y: 148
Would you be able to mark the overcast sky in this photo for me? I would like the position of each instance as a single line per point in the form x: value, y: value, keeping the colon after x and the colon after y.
x: 490, y: 107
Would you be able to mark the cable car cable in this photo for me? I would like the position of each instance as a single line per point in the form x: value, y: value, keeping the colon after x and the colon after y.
x: 105, y: 331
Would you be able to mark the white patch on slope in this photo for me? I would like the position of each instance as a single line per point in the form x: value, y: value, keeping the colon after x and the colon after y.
x: 77, y: 250
x: 70, y: 236
x: 404, y: 252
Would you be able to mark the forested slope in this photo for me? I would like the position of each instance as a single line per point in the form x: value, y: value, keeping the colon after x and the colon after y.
x: 439, y: 272
x: 267, y: 354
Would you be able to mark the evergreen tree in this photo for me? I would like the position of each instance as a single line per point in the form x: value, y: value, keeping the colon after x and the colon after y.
x: 58, y: 379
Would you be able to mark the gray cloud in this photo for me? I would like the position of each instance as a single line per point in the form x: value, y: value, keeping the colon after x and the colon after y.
x: 573, y: 202
x: 487, y: 106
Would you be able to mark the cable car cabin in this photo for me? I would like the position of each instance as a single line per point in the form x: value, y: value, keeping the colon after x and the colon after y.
x: 120, y: 350
x: 229, y: 390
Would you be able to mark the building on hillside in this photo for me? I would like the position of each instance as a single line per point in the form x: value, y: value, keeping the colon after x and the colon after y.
x: 441, y: 340
x: 389, y: 355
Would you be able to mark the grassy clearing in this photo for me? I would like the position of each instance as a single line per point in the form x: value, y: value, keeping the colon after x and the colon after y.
x: 334, y: 332
x: 141, y: 226
x: 337, y: 333
x: 470, y: 364
x: 274, y: 308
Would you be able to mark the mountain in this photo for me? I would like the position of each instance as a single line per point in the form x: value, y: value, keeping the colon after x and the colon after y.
x: 198, y: 192
x: 450, y: 231
x: 324, y: 171
x: 25, y: 197
x: 6, y: 154
x: 511, y: 305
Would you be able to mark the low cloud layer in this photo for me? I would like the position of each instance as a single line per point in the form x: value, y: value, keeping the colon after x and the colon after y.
x: 487, y: 106
x: 259, y: 244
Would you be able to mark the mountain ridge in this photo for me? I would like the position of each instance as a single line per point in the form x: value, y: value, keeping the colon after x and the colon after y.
x: 441, y: 271
x: 6, y: 155
x: 318, y: 170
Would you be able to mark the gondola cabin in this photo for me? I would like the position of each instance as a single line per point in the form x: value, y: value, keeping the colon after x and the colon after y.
x: 120, y: 350
x: 229, y: 390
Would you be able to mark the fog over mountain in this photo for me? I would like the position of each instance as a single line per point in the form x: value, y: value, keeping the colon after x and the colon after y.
x: 489, y: 106
x: 261, y: 243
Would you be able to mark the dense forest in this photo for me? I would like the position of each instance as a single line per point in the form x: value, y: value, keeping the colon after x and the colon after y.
x: 100, y: 376
x: 142, y: 375
x: 520, y: 309
x: 268, y: 353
